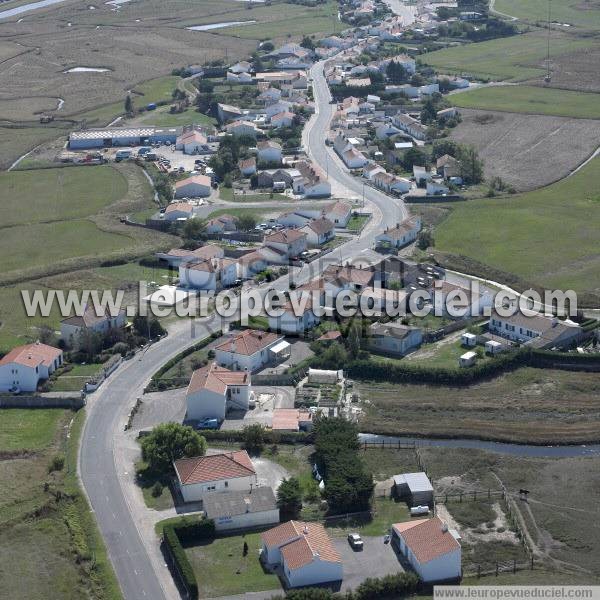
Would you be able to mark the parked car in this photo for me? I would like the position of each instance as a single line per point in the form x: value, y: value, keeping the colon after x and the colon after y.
x: 208, y: 424
x: 355, y: 541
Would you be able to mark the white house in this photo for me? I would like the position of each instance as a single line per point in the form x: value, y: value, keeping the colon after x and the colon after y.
x: 319, y: 231
x: 536, y: 330
x: 394, y: 338
x: 311, y: 181
x: 221, y: 224
x: 247, y: 166
x: 295, y: 320
x: 293, y: 219
x: 178, y: 211
x: 252, y: 263
x: 213, y: 390
x: 278, y: 107
x: 192, y: 142
x: 210, y: 274
x: 241, y: 67
x: 436, y: 187
x: 430, y: 548
x: 282, y: 119
x: 72, y: 328
x: 243, y: 128
x: 201, y: 476
x: 242, y: 509
x: 269, y: 151
x: 470, y: 300
x: 354, y: 159
x: 402, y: 234
x: 239, y: 77
x: 196, y: 186
x: 25, y: 366
x: 409, y: 125
x: 250, y: 350
x: 304, y: 553
x: 339, y: 213
x: 371, y: 169
x: 289, y: 241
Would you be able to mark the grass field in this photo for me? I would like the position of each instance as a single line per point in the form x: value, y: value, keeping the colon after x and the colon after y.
x: 73, y: 380
x: 23, y: 429
x: 580, y: 14
x: 51, y: 528
x: 293, y: 20
x: 222, y: 570
x: 14, y: 142
x: 526, y: 405
x: 30, y: 197
x: 514, y: 58
x: 548, y: 236
x: 532, y: 100
x: 161, y: 117
x: 443, y: 354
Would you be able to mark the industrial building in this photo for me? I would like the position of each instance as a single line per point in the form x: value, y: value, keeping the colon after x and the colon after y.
x: 125, y: 136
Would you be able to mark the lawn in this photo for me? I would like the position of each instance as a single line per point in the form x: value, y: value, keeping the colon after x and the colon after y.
x: 28, y: 197
x: 514, y: 58
x: 75, y: 379
x: 547, y: 237
x: 571, y: 12
x: 525, y: 405
x: 532, y: 100
x: 161, y: 117
x: 16, y: 141
x: 155, y: 90
x: 357, y: 222
x: 24, y: 429
x: 443, y: 354
x: 221, y: 569
x: 228, y: 194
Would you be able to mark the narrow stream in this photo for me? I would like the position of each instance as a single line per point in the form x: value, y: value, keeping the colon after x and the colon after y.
x: 525, y: 450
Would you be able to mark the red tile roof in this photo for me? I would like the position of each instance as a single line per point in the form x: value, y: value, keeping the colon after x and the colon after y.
x: 248, y: 342
x: 200, y: 179
x: 330, y: 335
x: 288, y: 418
x: 285, y: 236
x: 216, y: 379
x: 301, y: 543
x: 427, y: 538
x: 32, y: 355
x: 201, y: 469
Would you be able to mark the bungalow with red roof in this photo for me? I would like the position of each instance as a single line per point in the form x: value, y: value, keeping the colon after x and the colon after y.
x: 73, y: 328
x: 196, y: 186
x: 25, y: 366
x: 319, y: 232
x: 289, y: 241
x: 213, y: 390
x: 303, y: 553
x: 221, y: 224
x: 178, y: 210
x: 283, y: 119
x: 203, y: 475
x: 401, y: 234
x: 192, y: 142
x: 431, y: 549
x: 176, y: 256
x: 250, y: 350
x: 247, y: 166
x: 210, y: 274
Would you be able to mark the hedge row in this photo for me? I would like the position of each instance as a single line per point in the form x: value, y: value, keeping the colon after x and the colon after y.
x: 291, y: 437
x: 176, y: 532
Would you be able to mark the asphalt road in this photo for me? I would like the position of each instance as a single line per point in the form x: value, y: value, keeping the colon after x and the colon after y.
x: 108, y: 408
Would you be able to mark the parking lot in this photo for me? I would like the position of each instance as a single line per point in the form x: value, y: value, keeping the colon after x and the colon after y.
x: 376, y: 559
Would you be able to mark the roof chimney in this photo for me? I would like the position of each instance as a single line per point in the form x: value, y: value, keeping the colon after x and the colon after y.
x: 444, y: 527
x: 305, y: 529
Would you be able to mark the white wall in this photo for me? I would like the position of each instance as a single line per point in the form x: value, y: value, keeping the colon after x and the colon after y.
x: 205, y: 404
x: 202, y: 280
x: 25, y: 378
x: 196, y: 491
x: 317, y: 571
x: 247, y: 520
x: 447, y: 566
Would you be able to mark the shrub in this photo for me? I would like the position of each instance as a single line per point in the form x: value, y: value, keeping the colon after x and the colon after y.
x: 157, y: 489
x: 57, y: 463
x: 181, y: 562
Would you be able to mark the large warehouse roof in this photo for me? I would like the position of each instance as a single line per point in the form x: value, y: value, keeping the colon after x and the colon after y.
x: 92, y: 134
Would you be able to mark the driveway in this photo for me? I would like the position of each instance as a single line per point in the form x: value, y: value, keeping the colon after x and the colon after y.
x: 376, y: 559
x: 299, y: 351
x: 267, y: 398
x: 161, y: 407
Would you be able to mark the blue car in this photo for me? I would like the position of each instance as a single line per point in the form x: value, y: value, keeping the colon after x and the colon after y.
x: 208, y: 424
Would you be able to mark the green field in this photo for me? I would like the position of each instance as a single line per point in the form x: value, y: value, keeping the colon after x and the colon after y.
x: 14, y: 142
x: 29, y: 197
x: 161, y: 117
x: 283, y: 20
x: 548, y: 237
x: 222, y: 570
x: 44, y: 517
x: 573, y: 12
x: 23, y: 429
x: 531, y: 100
x: 514, y: 58
x: 56, y: 242
x: 155, y: 90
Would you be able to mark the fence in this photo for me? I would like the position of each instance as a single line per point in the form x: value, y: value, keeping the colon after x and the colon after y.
x: 473, y: 495
x: 507, y: 566
x: 34, y: 401
x: 389, y: 445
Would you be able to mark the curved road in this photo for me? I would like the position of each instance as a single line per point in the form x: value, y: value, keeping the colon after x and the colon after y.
x: 138, y: 567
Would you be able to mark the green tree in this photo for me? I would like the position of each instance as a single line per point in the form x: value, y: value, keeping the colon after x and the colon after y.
x: 169, y: 442
x: 412, y: 157
x: 246, y: 222
x: 396, y: 73
x: 353, y: 337
x: 254, y: 437
x: 307, y: 43
x: 471, y: 166
x: 147, y: 327
x: 128, y: 105
x: 441, y: 147
x: 425, y: 239
x: 289, y: 497
x: 194, y: 229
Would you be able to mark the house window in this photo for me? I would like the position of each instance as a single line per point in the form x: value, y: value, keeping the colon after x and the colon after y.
x: 227, y: 484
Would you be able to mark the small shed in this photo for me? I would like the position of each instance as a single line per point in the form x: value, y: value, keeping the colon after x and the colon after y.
x: 467, y: 359
x: 415, y: 487
x: 468, y: 339
x: 281, y: 350
x: 493, y: 347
